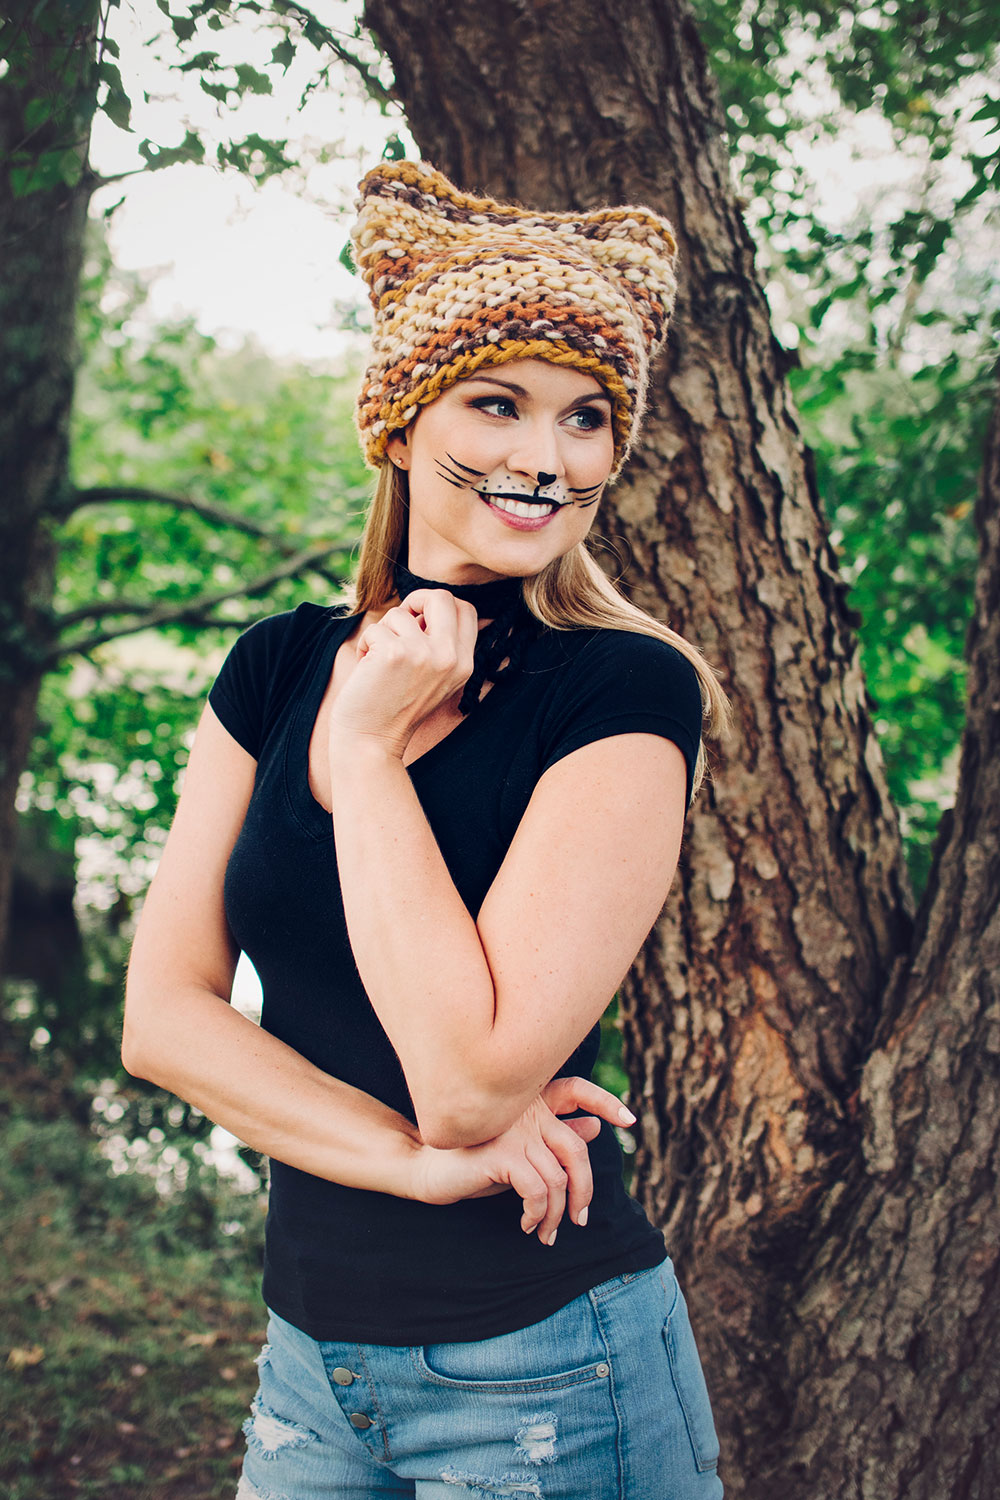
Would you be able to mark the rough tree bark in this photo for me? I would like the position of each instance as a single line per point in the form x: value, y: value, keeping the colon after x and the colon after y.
x: 780, y: 973
x: 46, y: 103
x: 893, y: 1335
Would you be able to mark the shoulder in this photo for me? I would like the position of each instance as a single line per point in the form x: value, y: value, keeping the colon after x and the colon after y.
x: 256, y: 676
x: 608, y: 682
x: 269, y: 636
x: 627, y: 658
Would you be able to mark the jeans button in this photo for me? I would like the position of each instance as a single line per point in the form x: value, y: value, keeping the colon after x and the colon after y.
x: 360, y: 1421
x: 342, y: 1376
x: 602, y: 1369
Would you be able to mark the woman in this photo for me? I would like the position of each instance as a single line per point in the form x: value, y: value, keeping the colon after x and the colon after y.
x: 441, y: 824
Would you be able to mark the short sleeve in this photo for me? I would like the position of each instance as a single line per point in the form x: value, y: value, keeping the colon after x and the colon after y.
x: 626, y: 683
x: 239, y: 694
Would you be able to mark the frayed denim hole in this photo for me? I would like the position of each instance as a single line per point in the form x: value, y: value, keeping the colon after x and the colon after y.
x: 535, y: 1439
x: 508, y: 1485
x: 247, y: 1490
x: 267, y: 1433
x: 264, y: 1357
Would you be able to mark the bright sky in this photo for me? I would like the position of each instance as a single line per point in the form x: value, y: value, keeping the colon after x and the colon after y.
x: 244, y: 260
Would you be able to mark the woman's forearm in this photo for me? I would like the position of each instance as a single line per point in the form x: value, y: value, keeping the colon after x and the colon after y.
x: 418, y: 951
x: 196, y: 1045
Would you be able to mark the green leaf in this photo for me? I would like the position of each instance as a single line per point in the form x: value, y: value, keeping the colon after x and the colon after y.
x: 284, y: 54
x: 218, y: 91
x: 184, y: 27
x: 36, y: 112
x: 201, y: 62
x: 191, y: 149
x: 251, y: 80
x: 117, y: 104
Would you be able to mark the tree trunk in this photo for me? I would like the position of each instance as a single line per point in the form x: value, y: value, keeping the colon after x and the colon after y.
x: 754, y: 1006
x: 894, y: 1333
x: 47, y: 99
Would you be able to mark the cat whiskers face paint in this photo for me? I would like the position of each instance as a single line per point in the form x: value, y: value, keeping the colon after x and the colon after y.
x: 516, y: 494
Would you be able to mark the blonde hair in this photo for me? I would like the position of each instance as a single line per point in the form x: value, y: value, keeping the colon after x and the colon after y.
x: 571, y: 593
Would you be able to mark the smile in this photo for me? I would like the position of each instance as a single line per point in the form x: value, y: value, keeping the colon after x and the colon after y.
x: 533, y: 510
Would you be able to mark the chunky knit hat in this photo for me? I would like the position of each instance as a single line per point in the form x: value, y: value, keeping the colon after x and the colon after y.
x: 458, y: 282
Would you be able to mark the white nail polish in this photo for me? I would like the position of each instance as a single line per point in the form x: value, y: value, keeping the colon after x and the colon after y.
x: 581, y: 1217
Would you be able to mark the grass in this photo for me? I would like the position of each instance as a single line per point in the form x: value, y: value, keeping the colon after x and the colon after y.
x: 129, y: 1322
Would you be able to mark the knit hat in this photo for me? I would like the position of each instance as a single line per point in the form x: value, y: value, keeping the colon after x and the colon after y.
x: 459, y: 282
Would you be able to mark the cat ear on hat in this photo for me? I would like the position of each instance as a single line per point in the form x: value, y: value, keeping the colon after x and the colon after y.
x: 637, y: 247
x: 407, y: 212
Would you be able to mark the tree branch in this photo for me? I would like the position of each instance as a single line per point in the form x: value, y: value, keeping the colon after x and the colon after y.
x: 220, y: 515
x: 99, y: 609
x: 317, y: 33
x: 196, y: 609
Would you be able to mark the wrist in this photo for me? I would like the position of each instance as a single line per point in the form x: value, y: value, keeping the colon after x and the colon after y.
x: 361, y: 750
x: 404, y: 1166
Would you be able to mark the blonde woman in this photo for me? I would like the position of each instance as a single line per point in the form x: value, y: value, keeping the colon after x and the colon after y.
x: 441, y: 823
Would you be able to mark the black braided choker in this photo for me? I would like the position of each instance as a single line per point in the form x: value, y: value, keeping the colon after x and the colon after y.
x: 498, y: 649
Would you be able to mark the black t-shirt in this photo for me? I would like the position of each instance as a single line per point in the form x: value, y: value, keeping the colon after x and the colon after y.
x: 345, y: 1263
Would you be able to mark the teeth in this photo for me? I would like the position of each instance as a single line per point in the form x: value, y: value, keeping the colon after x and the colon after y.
x: 522, y: 507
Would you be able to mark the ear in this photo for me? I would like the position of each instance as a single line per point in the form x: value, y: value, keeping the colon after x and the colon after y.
x: 398, y: 450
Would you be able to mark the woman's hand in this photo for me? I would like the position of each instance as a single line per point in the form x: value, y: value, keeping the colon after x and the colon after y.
x: 409, y: 662
x: 543, y: 1158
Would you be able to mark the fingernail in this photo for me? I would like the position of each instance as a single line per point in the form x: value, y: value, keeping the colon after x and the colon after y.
x: 581, y: 1217
x: 552, y: 1238
x: 626, y: 1116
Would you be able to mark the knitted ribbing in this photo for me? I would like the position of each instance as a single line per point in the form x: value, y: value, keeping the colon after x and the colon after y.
x: 459, y: 282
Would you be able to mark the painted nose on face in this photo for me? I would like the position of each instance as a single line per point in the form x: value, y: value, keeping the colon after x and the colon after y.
x: 545, y: 479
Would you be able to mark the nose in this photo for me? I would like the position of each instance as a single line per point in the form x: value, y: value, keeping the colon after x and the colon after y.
x: 537, y: 448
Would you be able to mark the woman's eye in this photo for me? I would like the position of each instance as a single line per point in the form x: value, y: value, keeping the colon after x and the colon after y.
x: 497, y: 406
x: 588, y: 418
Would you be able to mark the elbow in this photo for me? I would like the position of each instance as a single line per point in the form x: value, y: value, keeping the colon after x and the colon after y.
x: 139, y: 1046
x: 135, y: 1060
x: 447, y: 1124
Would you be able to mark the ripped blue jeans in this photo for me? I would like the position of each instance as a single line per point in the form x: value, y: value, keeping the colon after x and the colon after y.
x: 604, y: 1400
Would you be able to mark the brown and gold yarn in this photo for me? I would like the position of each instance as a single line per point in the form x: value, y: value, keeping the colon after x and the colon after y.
x: 458, y: 282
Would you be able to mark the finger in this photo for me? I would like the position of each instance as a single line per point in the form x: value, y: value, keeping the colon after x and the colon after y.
x: 570, y: 1150
x: 402, y: 622
x: 387, y: 633
x: 550, y: 1169
x: 563, y: 1095
x: 533, y: 1192
x: 468, y: 629
x: 587, y: 1127
x: 452, y: 629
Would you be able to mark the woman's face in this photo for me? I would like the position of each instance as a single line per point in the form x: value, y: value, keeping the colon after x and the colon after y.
x: 505, y: 471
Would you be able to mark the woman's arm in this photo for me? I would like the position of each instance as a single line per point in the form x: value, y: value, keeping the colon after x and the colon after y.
x: 483, y: 1013
x: 182, y: 1033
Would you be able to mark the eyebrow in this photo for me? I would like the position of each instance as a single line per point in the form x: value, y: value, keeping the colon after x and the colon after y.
x: 519, y: 390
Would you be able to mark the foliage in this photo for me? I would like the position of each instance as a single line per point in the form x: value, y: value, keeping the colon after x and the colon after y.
x: 893, y: 306
x: 165, y: 409
x: 898, y: 464
x: 130, y: 1319
x: 207, y: 38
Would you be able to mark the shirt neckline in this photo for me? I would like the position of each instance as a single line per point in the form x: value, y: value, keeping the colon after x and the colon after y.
x: 310, y: 814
